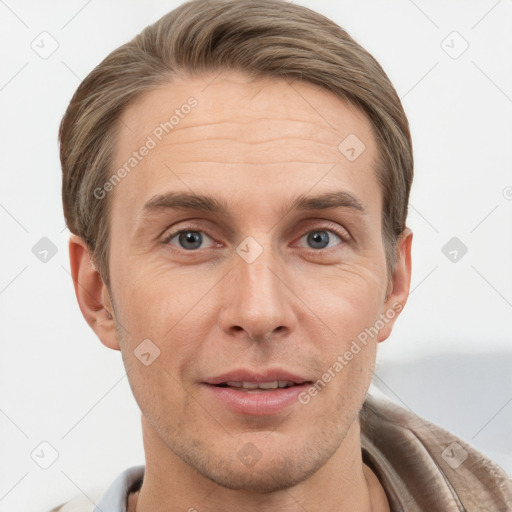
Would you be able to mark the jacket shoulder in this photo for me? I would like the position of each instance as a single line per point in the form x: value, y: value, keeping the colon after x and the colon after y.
x: 418, y: 451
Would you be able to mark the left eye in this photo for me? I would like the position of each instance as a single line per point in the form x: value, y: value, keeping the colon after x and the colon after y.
x: 321, y: 239
x: 189, y: 239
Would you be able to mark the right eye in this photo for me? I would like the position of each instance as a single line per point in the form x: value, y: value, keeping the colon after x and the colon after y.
x: 188, y: 239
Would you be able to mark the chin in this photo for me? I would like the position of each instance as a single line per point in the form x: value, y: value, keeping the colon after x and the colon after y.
x: 272, y: 470
x: 262, y: 478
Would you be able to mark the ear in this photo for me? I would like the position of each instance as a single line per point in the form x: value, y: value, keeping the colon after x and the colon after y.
x: 399, y: 284
x: 92, y: 293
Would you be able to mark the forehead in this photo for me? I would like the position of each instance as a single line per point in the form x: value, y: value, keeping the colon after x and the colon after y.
x: 224, y: 132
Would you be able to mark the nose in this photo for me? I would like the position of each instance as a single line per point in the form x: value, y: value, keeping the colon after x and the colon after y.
x: 258, y: 303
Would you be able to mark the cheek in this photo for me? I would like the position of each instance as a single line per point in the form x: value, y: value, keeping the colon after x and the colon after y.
x: 344, y: 382
x: 157, y: 300
x: 164, y: 319
x: 348, y: 301
x: 155, y: 384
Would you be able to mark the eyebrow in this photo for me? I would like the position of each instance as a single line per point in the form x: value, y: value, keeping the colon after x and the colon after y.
x: 209, y: 204
x: 339, y: 199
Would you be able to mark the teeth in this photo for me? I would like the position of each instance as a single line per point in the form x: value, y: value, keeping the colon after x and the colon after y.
x: 250, y: 385
x: 260, y: 385
x: 268, y: 385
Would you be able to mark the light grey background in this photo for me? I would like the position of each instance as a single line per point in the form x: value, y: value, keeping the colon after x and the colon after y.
x: 450, y: 356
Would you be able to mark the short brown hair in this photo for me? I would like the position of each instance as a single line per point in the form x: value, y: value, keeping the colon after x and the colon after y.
x: 262, y: 38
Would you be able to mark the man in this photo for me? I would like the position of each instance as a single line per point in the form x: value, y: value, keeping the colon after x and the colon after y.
x: 262, y: 135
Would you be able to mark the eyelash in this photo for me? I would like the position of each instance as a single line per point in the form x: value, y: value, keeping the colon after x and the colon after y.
x: 331, y: 228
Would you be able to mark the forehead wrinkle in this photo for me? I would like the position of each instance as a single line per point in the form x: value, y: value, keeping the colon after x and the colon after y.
x: 266, y: 150
x: 300, y: 130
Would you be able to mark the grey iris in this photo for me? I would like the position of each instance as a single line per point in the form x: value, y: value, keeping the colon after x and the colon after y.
x: 192, y: 237
x: 318, y: 239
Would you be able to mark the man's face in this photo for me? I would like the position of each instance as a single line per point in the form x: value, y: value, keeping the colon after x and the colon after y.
x: 260, y: 292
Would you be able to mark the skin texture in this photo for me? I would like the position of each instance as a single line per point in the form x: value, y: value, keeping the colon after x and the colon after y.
x: 257, y: 145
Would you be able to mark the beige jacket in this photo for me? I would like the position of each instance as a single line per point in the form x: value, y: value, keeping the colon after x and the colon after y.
x: 422, y: 467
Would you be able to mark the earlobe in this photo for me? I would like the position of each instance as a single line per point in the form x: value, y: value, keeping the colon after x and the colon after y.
x: 398, y: 290
x: 92, y: 293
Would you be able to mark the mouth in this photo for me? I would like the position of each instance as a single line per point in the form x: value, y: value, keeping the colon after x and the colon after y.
x: 256, y: 394
x: 255, y: 387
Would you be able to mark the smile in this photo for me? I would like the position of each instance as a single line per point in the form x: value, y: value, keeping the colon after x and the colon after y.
x: 258, y: 386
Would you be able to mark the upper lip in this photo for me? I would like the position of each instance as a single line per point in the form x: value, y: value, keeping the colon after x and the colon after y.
x: 269, y: 375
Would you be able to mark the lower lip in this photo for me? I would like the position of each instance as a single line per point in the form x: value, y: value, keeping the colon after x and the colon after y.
x: 257, y: 403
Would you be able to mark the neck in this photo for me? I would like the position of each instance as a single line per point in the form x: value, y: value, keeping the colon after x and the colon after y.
x: 343, y: 484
